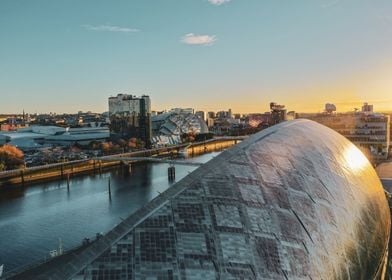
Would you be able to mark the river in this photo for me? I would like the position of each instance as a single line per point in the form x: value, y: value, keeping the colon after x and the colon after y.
x: 33, y: 219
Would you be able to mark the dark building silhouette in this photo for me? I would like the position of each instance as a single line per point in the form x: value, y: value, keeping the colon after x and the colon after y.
x: 278, y: 113
x: 130, y: 116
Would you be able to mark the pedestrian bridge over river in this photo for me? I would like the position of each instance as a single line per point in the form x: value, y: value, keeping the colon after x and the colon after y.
x: 150, y: 159
x: 63, y: 169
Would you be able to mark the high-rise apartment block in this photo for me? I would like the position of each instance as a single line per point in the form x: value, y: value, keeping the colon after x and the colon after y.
x: 130, y: 116
x: 200, y: 114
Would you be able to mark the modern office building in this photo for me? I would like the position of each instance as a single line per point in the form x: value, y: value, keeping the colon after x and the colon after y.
x: 130, y: 116
x: 295, y: 201
x: 368, y: 130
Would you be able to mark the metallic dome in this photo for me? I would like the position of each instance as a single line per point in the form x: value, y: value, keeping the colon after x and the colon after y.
x: 295, y: 201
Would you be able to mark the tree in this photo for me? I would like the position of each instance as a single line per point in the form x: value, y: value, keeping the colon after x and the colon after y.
x: 188, y: 137
x: 140, y: 144
x: 11, y: 157
x: 132, y: 143
x: 204, y: 136
x: 2, y: 166
x: 94, y: 145
x: 105, y: 147
x: 123, y: 144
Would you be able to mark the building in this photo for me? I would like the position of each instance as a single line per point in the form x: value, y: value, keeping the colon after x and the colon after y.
x: 13, y: 123
x: 170, y: 126
x: 224, y: 114
x: 183, y: 110
x: 130, y: 116
x: 211, y: 115
x: 390, y: 135
x: 295, y: 201
x: 330, y: 108
x: 229, y: 114
x: 36, y: 137
x: 201, y: 115
x: 366, y: 108
x: 291, y: 115
x: 210, y: 122
x: 258, y: 120
x: 369, y: 131
x: 278, y: 113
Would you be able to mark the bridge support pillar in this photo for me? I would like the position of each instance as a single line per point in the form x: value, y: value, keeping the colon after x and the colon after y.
x: 22, y: 177
x: 126, y: 167
x: 109, y: 189
x: 171, y: 173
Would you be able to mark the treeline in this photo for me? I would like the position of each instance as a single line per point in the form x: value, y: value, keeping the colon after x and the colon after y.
x: 119, y: 146
x: 192, y: 137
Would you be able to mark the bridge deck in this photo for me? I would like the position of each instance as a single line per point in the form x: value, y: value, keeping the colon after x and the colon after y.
x: 151, y: 159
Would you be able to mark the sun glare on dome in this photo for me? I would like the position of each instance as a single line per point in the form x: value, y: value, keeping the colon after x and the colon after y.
x: 354, y: 158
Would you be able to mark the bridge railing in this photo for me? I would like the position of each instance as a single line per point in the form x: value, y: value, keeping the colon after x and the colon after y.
x: 146, y: 152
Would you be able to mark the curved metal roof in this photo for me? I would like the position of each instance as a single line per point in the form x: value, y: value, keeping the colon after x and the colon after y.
x: 295, y: 201
x: 178, y: 123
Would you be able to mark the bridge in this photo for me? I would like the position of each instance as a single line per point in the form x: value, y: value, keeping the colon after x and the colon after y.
x: 61, y: 169
x: 149, y: 159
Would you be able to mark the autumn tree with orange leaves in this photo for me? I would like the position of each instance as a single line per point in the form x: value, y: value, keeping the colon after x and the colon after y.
x: 10, y: 157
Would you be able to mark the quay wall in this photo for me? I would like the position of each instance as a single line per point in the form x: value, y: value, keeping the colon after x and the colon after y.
x: 65, y: 170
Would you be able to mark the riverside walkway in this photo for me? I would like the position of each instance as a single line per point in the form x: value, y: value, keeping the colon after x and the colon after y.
x: 151, y: 159
x: 63, y: 169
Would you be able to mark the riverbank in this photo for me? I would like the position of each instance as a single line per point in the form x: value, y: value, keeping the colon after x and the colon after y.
x: 32, y: 219
x: 65, y: 170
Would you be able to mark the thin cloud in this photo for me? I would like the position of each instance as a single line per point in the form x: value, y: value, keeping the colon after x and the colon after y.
x: 110, y: 28
x: 218, y: 2
x: 330, y: 4
x: 204, y: 40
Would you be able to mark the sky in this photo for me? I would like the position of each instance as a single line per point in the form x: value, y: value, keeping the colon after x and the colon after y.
x: 71, y: 55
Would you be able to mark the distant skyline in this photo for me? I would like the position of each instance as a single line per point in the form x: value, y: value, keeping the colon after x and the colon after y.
x: 66, y: 56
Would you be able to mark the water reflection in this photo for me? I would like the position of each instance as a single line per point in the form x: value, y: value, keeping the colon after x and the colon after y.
x: 32, y: 219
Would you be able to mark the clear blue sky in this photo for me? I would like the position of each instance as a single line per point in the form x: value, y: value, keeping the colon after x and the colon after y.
x: 65, y: 56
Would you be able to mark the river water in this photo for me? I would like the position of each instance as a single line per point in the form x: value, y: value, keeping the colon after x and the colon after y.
x: 33, y: 219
